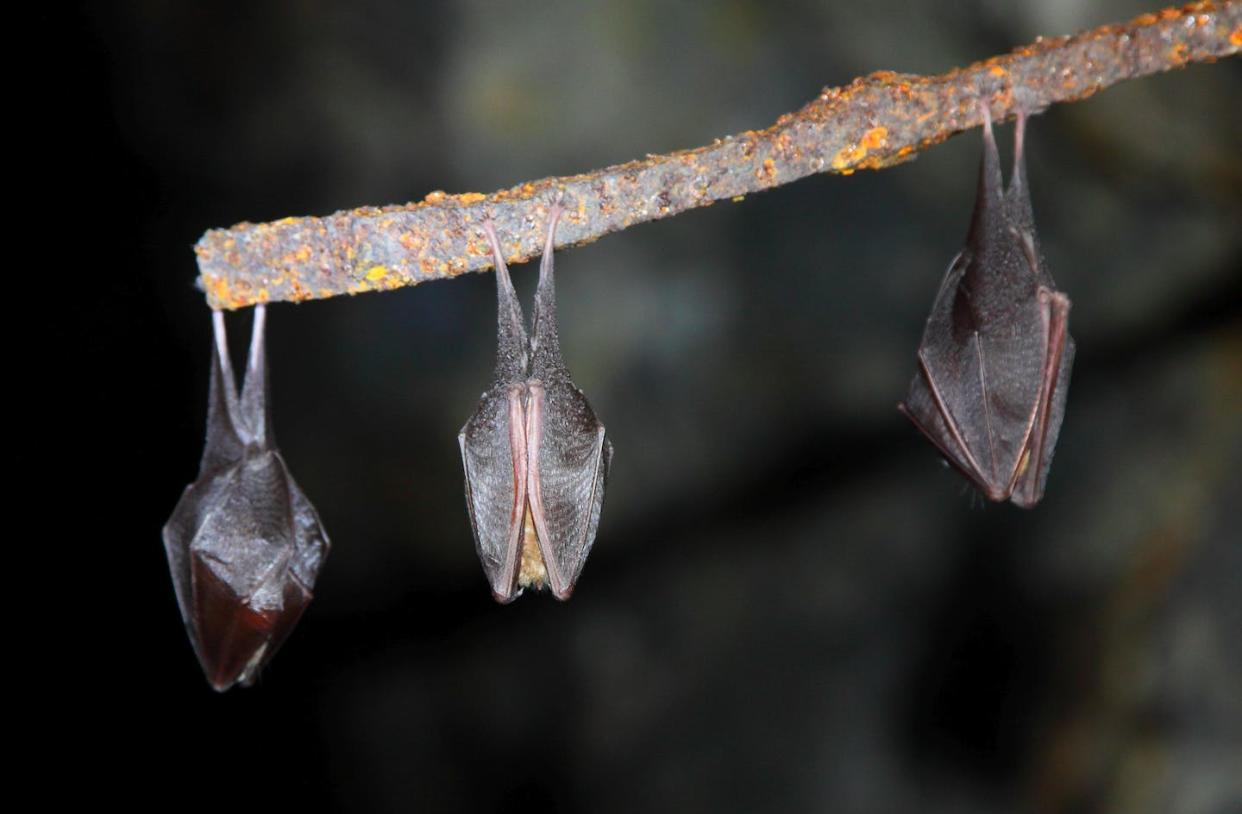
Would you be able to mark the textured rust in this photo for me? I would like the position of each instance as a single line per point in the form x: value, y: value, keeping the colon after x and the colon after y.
x: 874, y: 122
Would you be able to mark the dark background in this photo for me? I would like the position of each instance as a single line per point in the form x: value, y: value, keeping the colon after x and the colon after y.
x: 791, y: 605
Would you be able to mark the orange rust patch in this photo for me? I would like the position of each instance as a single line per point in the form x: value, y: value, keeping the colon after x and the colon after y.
x: 219, y: 288
x: 997, y: 70
x: 1235, y: 38
x: 875, y: 137
x: 471, y: 197
x: 435, y: 196
x: 850, y: 156
x: 297, y: 291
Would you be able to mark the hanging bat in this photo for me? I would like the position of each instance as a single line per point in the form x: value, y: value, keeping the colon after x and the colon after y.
x: 244, y: 544
x: 535, y: 455
x: 994, y: 363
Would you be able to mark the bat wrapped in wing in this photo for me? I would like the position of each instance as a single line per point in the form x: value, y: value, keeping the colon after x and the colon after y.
x: 536, y: 458
x: 244, y: 544
x: 994, y: 363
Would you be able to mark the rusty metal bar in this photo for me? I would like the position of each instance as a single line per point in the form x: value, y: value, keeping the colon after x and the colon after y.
x: 875, y: 121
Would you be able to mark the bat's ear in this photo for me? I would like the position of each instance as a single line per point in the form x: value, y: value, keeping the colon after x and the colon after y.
x: 224, y: 445
x: 255, y: 410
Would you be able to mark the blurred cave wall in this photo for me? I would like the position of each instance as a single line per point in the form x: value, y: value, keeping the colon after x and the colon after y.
x: 791, y: 604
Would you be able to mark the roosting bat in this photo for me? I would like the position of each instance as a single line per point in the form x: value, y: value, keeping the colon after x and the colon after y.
x: 535, y: 455
x: 244, y: 544
x: 994, y: 363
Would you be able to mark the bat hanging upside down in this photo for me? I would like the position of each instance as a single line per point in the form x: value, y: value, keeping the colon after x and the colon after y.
x: 244, y: 544
x: 535, y: 455
x: 994, y: 363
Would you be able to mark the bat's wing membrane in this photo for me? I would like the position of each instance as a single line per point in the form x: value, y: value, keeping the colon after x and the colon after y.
x: 196, y: 501
x: 245, y: 600
x: 566, y: 479
x: 310, y: 541
x: 1058, y: 362
x: 946, y: 394
x: 494, y: 453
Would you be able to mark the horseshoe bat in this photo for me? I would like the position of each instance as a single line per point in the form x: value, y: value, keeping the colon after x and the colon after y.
x: 994, y: 363
x: 536, y: 458
x: 244, y: 544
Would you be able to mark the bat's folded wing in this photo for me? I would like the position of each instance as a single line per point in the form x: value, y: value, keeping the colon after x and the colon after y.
x: 1047, y: 426
x: 567, y: 480
x: 246, y: 598
x: 310, y: 542
x: 947, y: 395
x: 197, y: 501
x: 924, y: 412
x: 244, y: 546
x: 493, y: 453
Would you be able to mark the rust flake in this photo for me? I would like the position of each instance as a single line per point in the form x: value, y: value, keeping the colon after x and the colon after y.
x: 852, y: 156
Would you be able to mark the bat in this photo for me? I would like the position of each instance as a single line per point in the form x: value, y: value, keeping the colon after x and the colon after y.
x: 244, y: 544
x: 994, y: 362
x: 536, y: 457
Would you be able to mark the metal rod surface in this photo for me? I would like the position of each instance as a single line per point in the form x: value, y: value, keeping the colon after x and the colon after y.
x: 874, y: 122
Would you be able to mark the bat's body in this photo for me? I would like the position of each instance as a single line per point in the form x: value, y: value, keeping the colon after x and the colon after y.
x: 995, y: 359
x: 244, y: 544
x: 535, y: 455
